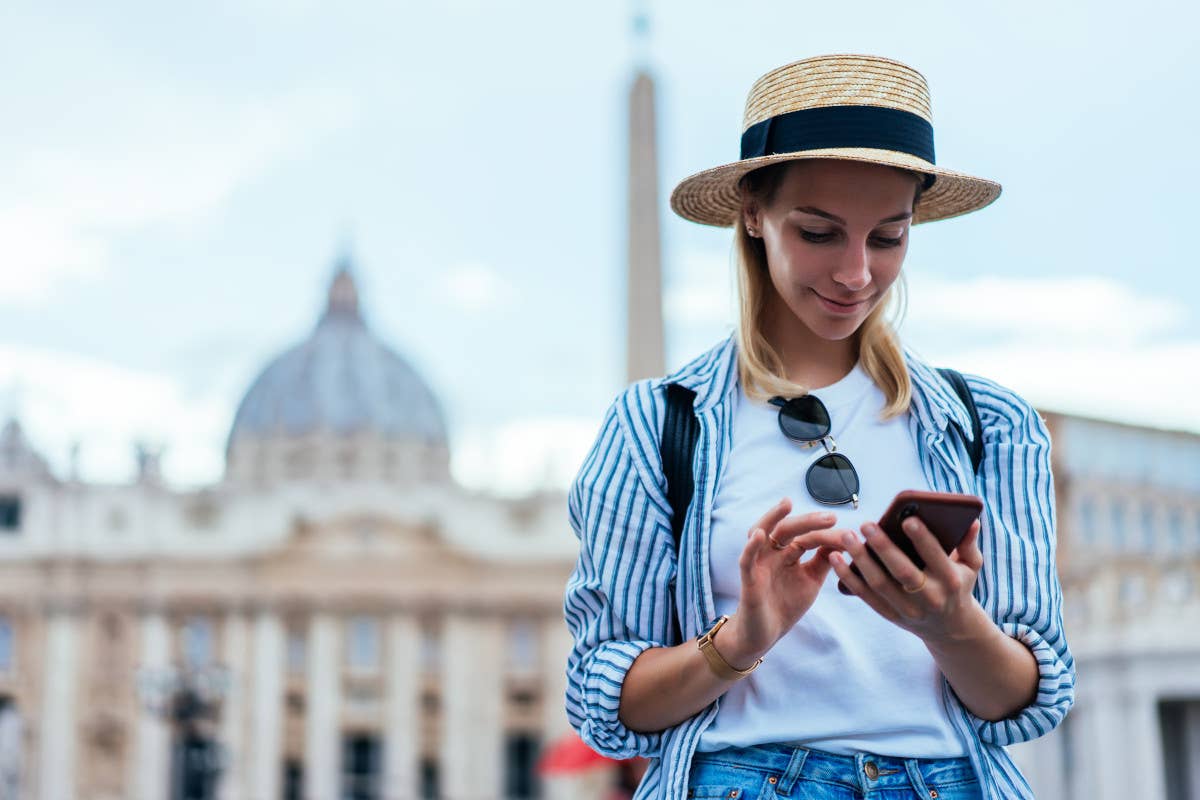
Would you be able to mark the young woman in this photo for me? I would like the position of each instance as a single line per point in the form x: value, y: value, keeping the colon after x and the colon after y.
x: 911, y: 681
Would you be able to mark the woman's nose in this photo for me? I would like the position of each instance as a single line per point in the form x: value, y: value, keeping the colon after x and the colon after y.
x: 854, y: 269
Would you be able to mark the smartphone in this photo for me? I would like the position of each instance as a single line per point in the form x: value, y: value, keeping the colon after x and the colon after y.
x: 947, y: 515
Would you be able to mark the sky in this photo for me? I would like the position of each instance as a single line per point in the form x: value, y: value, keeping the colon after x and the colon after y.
x: 178, y: 181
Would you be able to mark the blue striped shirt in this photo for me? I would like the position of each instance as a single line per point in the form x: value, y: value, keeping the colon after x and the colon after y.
x: 627, y: 583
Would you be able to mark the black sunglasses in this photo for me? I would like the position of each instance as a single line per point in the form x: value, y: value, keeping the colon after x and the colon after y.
x: 831, y: 479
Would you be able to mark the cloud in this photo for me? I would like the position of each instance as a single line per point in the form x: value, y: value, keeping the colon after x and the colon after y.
x: 156, y: 158
x: 519, y: 456
x: 1057, y: 309
x: 476, y: 287
x: 1154, y: 385
x: 1088, y: 345
x: 63, y: 398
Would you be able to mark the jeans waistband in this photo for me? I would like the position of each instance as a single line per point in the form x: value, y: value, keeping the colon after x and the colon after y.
x: 861, y: 771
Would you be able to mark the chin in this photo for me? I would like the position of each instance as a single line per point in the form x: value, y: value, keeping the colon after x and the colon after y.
x: 836, y: 333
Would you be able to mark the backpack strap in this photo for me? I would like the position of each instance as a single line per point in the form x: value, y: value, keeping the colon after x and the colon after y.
x: 974, y: 447
x: 680, y: 431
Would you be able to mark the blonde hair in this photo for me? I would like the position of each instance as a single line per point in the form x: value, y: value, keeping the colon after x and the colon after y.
x: 760, y: 368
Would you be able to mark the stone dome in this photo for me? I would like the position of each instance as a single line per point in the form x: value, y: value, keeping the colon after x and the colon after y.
x: 341, y: 384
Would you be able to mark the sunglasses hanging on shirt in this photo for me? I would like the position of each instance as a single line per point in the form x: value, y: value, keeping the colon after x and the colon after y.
x: 831, y: 479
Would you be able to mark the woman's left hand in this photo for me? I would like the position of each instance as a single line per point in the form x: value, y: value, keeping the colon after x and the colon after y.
x: 937, y: 604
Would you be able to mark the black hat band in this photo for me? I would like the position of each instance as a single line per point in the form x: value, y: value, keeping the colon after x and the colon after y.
x: 875, y: 127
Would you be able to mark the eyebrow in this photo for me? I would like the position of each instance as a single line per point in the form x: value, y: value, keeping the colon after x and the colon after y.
x: 835, y: 218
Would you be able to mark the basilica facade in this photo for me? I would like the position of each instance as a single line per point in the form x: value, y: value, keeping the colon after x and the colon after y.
x: 335, y: 618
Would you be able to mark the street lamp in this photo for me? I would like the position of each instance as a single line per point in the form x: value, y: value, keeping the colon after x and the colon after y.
x: 188, y: 700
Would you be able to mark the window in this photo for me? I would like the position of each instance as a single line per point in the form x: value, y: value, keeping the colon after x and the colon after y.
x: 197, y: 643
x: 522, y: 646
x: 1175, y: 530
x: 1117, y: 509
x: 7, y: 661
x: 520, y: 758
x: 10, y: 513
x: 429, y: 779
x: 361, y: 763
x: 363, y: 645
x: 431, y: 652
x: 1178, y: 722
x: 293, y: 779
x: 296, y: 652
x: 1087, y: 520
x: 1149, y: 525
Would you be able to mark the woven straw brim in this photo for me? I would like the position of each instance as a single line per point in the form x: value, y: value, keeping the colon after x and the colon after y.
x: 711, y: 197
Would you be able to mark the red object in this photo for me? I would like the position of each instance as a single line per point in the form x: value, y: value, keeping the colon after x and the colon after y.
x: 570, y: 755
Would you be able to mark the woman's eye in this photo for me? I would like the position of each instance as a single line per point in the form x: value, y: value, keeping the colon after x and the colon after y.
x: 818, y: 237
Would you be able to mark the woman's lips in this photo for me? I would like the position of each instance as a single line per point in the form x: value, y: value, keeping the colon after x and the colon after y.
x: 839, y: 308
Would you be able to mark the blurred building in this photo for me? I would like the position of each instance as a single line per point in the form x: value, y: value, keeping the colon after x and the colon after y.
x: 1129, y: 558
x: 335, y: 619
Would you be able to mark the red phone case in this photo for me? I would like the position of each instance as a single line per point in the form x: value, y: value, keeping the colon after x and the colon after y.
x: 947, y: 515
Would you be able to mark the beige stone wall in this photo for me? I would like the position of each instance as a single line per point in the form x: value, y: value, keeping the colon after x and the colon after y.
x: 402, y: 572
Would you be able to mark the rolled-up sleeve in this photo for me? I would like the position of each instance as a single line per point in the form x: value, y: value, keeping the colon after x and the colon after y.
x: 618, y: 598
x: 1019, y: 585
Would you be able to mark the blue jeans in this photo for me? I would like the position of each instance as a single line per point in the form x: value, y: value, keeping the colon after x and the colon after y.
x: 776, y: 770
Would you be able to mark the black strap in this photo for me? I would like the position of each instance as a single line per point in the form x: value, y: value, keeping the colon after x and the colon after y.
x: 974, y: 447
x: 680, y: 431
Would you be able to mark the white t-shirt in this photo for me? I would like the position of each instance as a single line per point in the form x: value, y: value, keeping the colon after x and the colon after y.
x: 844, y: 679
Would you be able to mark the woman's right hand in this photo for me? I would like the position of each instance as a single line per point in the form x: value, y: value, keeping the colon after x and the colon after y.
x: 777, y: 588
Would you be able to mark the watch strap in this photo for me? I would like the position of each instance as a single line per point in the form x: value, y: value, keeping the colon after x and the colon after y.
x: 719, y: 666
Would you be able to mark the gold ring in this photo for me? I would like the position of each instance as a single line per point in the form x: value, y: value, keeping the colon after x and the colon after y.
x: 776, y: 544
x: 918, y: 587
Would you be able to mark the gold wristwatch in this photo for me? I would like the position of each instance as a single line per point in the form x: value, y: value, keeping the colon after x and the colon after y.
x: 720, y: 667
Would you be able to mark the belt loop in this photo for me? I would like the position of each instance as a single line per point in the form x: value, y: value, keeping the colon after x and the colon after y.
x: 860, y: 773
x: 915, y: 776
x: 792, y: 774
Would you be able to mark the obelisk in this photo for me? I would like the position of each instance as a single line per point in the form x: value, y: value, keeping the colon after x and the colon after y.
x: 644, y: 324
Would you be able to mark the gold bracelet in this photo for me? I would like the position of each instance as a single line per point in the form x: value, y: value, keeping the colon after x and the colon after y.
x: 719, y: 666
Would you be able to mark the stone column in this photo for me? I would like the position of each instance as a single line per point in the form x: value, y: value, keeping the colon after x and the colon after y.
x: 472, y: 747
x: 266, y: 746
x: 1143, y: 737
x: 1041, y: 762
x: 57, y: 766
x: 402, y: 725
x: 152, y: 767
x: 233, y: 709
x: 555, y: 646
x: 322, y: 734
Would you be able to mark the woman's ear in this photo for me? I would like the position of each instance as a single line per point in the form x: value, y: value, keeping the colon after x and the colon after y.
x: 750, y: 218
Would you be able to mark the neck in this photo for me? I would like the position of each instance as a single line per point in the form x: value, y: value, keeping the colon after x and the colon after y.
x: 808, y: 359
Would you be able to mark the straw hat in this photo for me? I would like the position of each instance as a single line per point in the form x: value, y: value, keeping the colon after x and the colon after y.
x: 861, y: 108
